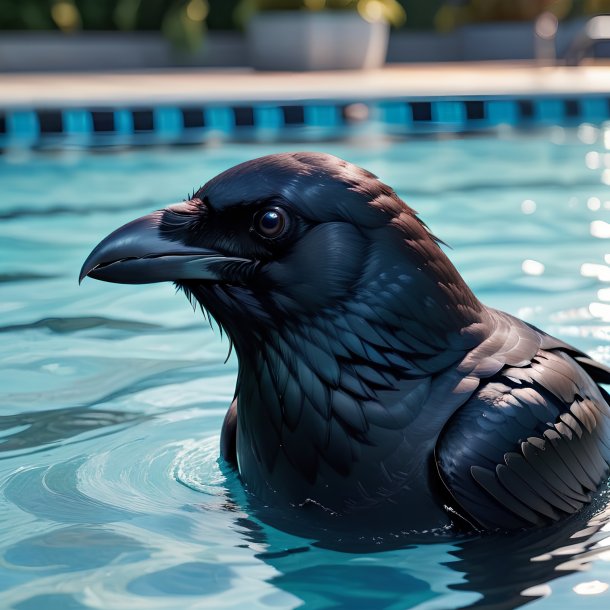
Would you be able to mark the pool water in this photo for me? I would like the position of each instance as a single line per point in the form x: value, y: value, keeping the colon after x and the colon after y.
x: 112, y: 397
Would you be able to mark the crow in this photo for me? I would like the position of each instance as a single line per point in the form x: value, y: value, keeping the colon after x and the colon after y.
x: 372, y: 383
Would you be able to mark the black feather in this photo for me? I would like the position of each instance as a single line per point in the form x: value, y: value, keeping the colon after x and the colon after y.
x: 370, y: 376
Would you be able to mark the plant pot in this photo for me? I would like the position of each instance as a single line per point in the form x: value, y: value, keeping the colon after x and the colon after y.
x: 497, y: 41
x: 325, y: 40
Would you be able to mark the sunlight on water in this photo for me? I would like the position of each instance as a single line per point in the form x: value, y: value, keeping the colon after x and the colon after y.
x: 112, y: 397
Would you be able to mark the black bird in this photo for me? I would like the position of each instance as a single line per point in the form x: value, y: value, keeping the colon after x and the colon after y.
x: 372, y: 383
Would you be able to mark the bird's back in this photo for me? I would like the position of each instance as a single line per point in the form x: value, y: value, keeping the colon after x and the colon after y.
x: 532, y: 444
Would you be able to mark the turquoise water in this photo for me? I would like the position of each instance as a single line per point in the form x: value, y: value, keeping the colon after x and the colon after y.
x: 112, y: 397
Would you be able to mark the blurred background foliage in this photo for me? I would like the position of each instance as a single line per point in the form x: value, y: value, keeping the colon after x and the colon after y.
x: 391, y: 11
x: 182, y: 21
x: 455, y: 13
x: 185, y: 21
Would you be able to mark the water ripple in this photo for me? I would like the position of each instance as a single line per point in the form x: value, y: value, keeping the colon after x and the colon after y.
x: 76, y: 324
x: 36, y: 431
x: 196, y: 466
x: 63, y: 210
x: 113, y: 494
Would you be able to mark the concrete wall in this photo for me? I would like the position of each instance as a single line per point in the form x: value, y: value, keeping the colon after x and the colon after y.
x: 46, y: 51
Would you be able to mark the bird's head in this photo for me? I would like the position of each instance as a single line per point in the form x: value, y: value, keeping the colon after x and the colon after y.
x: 282, y: 239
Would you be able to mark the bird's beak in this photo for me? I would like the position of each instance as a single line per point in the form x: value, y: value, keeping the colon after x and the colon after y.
x: 138, y: 253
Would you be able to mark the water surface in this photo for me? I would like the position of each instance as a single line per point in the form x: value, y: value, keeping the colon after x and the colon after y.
x: 112, y: 397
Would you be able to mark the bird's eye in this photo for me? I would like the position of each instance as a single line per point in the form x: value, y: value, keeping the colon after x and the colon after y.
x: 271, y: 222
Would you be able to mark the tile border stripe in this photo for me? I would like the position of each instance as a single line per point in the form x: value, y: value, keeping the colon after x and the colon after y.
x: 191, y: 122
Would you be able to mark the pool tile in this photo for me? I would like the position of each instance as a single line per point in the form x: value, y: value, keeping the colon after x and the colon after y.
x: 571, y: 108
x: 168, y: 121
x: 142, y: 120
x: 501, y: 112
x: 22, y: 125
x: 322, y: 116
x: 595, y: 108
x: 293, y: 115
x: 395, y: 113
x: 268, y: 117
x: 244, y: 116
x: 421, y: 111
x: 549, y: 111
x: 50, y: 121
x: 77, y: 122
x: 103, y: 120
x: 192, y: 118
x: 475, y: 110
x: 453, y: 112
x: 220, y: 118
x: 123, y: 122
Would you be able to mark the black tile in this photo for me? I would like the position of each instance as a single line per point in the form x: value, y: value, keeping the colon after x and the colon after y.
x: 2, y: 123
x: 103, y: 120
x: 244, y: 116
x: 293, y: 115
x: 572, y: 108
x: 422, y: 111
x: 526, y: 108
x: 143, y: 120
x: 192, y: 117
x: 50, y: 121
x: 475, y: 110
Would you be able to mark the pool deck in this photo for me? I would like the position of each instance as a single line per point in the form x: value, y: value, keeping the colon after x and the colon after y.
x: 244, y: 85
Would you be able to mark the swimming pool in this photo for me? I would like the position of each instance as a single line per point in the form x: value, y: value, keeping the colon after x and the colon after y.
x: 113, y: 396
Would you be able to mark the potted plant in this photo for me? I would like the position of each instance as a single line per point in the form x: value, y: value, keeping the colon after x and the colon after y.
x: 318, y: 34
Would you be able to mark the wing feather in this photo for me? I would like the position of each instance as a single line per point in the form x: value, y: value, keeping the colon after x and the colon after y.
x: 536, y: 446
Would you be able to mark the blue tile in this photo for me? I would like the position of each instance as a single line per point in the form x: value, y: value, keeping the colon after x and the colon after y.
x: 594, y: 109
x: 77, y: 122
x: 23, y: 125
x: 219, y: 118
x: 123, y: 122
x: 168, y: 121
x: 322, y: 116
x: 395, y: 113
x: 449, y: 112
x: 549, y: 111
x: 268, y: 117
x: 502, y: 111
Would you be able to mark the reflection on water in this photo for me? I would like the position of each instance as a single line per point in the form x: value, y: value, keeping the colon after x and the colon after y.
x: 121, y: 511
x: 494, y: 571
x: 112, y: 397
x: 37, y: 430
